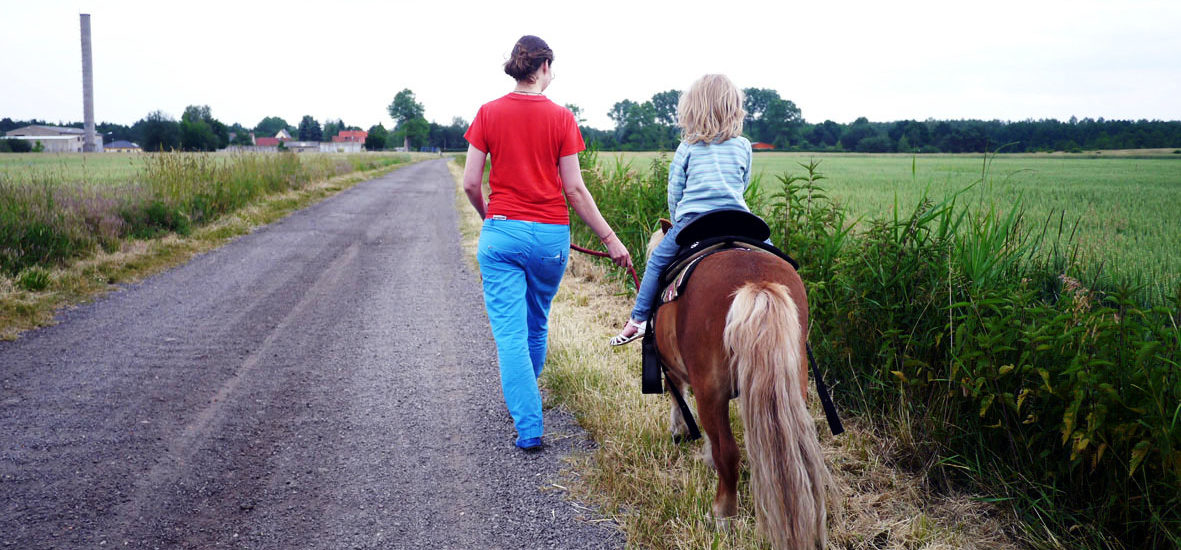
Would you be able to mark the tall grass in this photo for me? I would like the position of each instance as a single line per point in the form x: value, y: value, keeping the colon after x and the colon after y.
x: 45, y: 221
x: 999, y: 360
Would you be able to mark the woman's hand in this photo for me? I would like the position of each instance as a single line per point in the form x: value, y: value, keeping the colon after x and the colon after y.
x: 617, y: 251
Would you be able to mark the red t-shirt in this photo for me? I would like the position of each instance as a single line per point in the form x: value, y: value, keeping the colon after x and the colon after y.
x: 526, y: 134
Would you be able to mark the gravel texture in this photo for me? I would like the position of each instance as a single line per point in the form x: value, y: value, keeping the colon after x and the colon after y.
x: 328, y: 381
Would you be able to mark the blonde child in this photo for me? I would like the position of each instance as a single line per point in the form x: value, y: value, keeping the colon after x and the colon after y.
x: 710, y: 170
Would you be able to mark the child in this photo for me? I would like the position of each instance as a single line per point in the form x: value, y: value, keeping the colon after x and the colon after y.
x: 710, y: 170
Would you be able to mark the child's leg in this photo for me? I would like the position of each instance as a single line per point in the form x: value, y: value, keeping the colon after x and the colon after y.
x: 661, y: 256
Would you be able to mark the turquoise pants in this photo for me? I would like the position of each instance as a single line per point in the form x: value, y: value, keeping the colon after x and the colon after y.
x: 522, y: 264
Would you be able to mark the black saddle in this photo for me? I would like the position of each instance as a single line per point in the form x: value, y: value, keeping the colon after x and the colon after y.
x: 718, y: 230
x: 724, y: 222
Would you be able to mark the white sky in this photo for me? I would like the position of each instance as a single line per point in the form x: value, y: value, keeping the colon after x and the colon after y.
x: 838, y: 60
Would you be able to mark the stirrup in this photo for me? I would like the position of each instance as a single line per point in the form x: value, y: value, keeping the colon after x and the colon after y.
x: 620, y: 339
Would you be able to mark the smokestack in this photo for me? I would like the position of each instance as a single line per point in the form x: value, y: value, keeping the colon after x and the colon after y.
x: 87, y: 86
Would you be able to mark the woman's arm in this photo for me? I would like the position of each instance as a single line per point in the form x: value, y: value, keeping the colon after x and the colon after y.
x: 584, y: 205
x: 473, y: 179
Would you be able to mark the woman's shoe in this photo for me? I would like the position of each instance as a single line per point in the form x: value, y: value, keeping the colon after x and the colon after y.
x: 631, y: 331
x: 529, y: 444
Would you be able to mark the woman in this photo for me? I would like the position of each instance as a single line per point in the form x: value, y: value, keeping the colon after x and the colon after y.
x: 525, y: 240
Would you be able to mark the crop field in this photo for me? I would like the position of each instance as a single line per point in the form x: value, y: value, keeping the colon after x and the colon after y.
x: 1125, y: 206
x: 77, y: 168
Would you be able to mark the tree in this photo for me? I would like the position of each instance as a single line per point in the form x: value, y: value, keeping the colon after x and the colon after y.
x: 825, y: 134
x: 859, y: 130
x: 755, y: 102
x: 197, y: 135
x: 414, y: 133
x: 309, y: 129
x: 271, y: 125
x: 376, y: 139
x: 157, y: 132
x: 404, y: 109
x: 665, y: 105
x: 636, y: 126
x: 770, y: 118
x: 199, y: 131
x: 448, y: 137
x: 333, y: 127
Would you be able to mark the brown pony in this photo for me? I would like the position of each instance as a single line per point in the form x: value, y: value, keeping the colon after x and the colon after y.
x: 738, y: 329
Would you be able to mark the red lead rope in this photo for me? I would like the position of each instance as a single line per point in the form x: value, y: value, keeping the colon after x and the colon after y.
x: 630, y: 269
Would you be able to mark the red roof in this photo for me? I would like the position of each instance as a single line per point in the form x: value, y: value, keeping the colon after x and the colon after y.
x: 350, y: 135
x: 761, y: 145
x: 266, y: 142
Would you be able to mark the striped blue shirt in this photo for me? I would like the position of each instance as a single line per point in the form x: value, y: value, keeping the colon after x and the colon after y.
x: 708, y: 176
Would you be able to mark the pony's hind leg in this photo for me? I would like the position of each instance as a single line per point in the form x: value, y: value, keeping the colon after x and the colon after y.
x: 723, y: 450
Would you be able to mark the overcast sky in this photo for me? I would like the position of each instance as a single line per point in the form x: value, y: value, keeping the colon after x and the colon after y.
x: 838, y: 60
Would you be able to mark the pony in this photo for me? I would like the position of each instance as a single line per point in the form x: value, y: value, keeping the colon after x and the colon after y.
x: 738, y: 328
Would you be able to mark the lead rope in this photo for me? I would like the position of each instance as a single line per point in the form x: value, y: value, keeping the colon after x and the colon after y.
x: 630, y: 269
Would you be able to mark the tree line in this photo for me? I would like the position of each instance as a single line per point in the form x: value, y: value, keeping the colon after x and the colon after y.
x: 651, y: 125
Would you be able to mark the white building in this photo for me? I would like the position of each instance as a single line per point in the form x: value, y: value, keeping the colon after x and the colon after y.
x: 55, y: 139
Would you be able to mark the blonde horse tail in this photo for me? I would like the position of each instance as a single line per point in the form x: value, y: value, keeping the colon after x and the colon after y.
x: 788, y: 475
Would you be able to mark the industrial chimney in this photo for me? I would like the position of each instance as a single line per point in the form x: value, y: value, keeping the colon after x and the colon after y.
x: 87, y: 86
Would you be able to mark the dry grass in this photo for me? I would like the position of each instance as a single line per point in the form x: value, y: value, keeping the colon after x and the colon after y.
x: 660, y: 493
x: 90, y: 277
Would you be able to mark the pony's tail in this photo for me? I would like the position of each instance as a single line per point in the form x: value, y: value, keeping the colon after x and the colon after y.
x: 788, y: 475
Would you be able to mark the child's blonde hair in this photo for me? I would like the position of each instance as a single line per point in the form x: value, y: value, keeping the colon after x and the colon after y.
x: 711, y: 111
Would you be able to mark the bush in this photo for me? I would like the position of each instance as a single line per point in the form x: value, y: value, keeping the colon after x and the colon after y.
x: 33, y: 279
x: 15, y: 146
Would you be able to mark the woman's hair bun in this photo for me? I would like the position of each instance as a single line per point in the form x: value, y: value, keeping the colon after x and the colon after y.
x: 528, y: 55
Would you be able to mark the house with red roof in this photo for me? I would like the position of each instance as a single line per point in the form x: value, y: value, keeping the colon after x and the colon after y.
x: 350, y: 136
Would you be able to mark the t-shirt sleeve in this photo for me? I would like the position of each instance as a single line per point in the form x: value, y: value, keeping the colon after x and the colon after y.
x: 475, y: 132
x: 572, y: 138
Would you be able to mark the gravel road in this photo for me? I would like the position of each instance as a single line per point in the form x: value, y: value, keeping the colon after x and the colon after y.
x: 327, y: 381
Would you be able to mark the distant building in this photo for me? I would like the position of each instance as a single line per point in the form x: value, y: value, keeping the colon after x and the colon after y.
x: 122, y: 146
x: 302, y: 146
x: 760, y: 146
x: 55, y: 139
x: 282, y: 135
x: 266, y: 142
x: 341, y: 146
x: 350, y: 136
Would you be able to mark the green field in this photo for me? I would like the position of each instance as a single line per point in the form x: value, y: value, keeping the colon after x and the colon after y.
x: 1125, y: 206
x: 93, y: 168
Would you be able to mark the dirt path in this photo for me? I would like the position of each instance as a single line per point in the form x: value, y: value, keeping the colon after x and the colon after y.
x: 328, y: 381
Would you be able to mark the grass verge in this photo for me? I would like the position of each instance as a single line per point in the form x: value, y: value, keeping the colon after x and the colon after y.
x: 25, y: 306
x: 660, y: 493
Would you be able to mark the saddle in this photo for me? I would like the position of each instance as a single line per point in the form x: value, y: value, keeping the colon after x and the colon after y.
x: 712, y: 232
